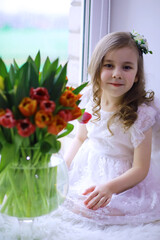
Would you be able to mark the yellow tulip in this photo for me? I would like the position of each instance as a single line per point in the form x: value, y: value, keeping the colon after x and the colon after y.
x: 1, y: 83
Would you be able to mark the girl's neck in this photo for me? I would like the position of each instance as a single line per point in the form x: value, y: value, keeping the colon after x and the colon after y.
x: 109, y: 105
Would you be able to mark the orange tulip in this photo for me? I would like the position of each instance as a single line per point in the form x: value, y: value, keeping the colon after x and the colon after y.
x: 68, y: 98
x: 76, y: 112
x: 28, y: 106
x: 43, y: 119
x: 57, y: 125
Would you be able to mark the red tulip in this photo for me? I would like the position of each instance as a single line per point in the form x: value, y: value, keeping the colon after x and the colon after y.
x: 25, y: 127
x: 65, y: 114
x: 39, y: 94
x: 47, y: 106
x: 85, y: 118
x: 7, y: 119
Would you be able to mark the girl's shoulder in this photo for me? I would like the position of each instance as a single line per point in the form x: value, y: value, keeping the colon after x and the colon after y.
x: 147, y: 117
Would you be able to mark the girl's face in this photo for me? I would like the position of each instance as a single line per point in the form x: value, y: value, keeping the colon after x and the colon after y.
x: 118, y: 73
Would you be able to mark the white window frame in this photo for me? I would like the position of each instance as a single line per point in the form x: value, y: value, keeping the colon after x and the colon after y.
x: 95, y: 24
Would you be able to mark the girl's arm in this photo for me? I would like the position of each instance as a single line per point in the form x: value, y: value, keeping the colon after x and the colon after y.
x: 81, y: 135
x: 101, y: 195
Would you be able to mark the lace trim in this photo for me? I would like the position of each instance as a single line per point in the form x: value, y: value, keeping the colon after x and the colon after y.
x: 146, y: 119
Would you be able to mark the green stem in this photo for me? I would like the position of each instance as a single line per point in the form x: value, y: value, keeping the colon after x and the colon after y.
x: 12, y: 134
x: 15, y: 194
x: 30, y: 191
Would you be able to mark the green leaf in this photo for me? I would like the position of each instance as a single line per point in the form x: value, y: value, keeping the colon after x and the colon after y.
x: 2, y: 137
x: 3, y: 69
x: 12, y: 75
x: 30, y: 61
x: 45, y: 69
x: 67, y: 130
x: 61, y: 76
x: 33, y: 74
x: 7, y: 155
x: 38, y: 60
x: 56, y: 147
x: 16, y: 67
x: 3, y: 100
x: 45, y: 147
x: 28, y: 77
x: 59, y: 84
x: 50, y: 144
x: 23, y: 88
x: 18, y: 141
x: 48, y: 81
x: 79, y: 89
x: 8, y: 84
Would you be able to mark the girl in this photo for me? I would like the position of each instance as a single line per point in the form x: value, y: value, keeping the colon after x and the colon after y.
x: 112, y: 174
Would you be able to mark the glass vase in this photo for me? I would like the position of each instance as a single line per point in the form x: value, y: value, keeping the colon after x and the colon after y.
x: 34, y: 185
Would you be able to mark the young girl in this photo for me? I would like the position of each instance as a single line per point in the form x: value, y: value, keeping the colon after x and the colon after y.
x: 113, y: 178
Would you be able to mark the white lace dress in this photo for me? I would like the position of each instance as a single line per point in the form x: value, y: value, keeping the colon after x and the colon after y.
x: 103, y: 157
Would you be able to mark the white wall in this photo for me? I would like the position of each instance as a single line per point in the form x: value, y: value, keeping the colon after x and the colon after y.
x: 142, y: 16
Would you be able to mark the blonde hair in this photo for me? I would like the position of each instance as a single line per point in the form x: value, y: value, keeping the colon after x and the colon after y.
x: 137, y: 95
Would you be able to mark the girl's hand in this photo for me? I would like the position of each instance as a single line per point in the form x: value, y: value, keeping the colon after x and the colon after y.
x: 100, y: 196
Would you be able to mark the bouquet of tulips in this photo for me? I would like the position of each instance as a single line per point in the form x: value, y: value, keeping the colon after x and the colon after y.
x: 36, y: 107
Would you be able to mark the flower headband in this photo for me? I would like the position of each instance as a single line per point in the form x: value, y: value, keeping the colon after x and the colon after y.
x: 141, y: 42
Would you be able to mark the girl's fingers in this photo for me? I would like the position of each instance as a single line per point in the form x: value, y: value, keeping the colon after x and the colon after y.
x: 89, y: 190
x: 91, y: 202
x: 106, y: 202
x: 99, y: 203
x: 92, y: 197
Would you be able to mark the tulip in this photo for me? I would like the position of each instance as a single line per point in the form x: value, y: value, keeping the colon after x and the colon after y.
x: 47, y: 106
x: 57, y: 125
x: 28, y: 106
x: 7, y: 119
x: 66, y: 115
x: 68, y: 98
x: 25, y: 127
x: 39, y: 94
x: 85, y: 118
x: 42, y: 118
x: 76, y: 112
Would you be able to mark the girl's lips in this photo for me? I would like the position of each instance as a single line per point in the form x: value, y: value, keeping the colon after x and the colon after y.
x: 116, y: 84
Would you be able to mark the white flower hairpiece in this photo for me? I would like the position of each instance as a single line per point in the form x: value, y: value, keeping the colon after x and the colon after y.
x: 141, y: 42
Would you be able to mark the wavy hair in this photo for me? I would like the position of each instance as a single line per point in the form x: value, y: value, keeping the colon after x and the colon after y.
x: 127, y: 111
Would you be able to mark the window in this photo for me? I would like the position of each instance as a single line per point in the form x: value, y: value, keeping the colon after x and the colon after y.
x: 89, y: 21
x: 32, y: 25
x: 96, y: 24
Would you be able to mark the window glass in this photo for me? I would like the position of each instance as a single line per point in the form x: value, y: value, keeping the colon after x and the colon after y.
x: 31, y: 25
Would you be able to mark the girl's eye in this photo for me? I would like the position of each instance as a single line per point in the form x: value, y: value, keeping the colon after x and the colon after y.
x: 127, y: 67
x: 108, y: 65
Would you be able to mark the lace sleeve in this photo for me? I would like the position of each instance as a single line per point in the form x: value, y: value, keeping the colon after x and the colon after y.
x: 146, y: 119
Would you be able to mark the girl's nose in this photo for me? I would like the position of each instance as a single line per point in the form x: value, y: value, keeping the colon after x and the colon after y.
x: 116, y: 74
